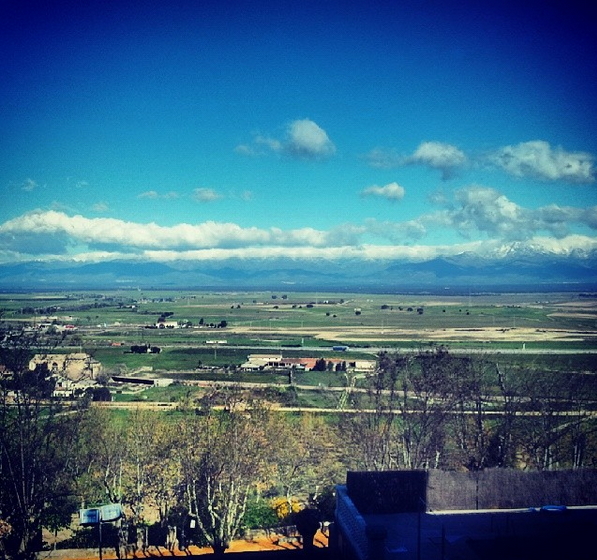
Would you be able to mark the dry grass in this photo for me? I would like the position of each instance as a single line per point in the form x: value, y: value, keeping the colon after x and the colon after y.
x: 389, y: 334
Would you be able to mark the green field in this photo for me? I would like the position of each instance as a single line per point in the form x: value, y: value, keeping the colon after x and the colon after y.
x: 299, y: 309
x: 543, y: 345
x: 298, y: 323
x: 295, y: 310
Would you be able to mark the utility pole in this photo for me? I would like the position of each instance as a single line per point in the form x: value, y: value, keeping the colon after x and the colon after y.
x: 99, y: 528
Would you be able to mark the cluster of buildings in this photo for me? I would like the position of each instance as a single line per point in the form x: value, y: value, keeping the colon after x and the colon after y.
x: 52, y: 327
x: 75, y: 371
x: 276, y: 362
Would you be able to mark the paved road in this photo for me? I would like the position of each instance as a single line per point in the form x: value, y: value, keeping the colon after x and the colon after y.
x: 377, y: 349
x: 373, y: 350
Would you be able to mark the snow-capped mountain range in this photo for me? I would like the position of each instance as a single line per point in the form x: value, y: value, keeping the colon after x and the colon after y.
x: 516, y: 265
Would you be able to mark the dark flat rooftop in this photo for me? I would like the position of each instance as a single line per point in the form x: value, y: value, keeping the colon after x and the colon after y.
x: 530, y: 534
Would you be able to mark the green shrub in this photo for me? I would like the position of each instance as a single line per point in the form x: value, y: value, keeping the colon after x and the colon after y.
x: 259, y: 515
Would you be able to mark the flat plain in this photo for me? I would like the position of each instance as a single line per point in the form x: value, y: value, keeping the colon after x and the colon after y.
x: 218, y: 328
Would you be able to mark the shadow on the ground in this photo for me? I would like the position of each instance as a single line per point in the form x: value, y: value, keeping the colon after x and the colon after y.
x: 297, y: 554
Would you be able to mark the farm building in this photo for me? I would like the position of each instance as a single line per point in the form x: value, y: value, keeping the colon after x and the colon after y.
x: 75, y: 366
x: 273, y: 362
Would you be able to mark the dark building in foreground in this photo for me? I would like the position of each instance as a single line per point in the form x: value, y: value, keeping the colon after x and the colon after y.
x: 484, y: 515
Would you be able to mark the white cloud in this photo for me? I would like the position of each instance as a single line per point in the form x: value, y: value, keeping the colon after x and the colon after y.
x: 437, y: 155
x: 391, y: 191
x: 483, y: 215
x: 483, y: 210
x: 445, y: 157
x: 205, y: 195
x: 97, y: 232
x: 488, y: 248
x: 538, y: 159
x: 307, y: 139
x: 396, y: 232
x: 565, y: 245
x: 558, y: 219
x: 269, y: 143
x: 365, y: 252
x: 304, y: 139
x: 154, y: 195
x: 298, y: 237
x: 345, y: 234
x: 149, y: 194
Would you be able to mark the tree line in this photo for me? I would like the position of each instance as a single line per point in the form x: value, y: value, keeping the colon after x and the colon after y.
x: 433, y: 409
x: 217, y: 462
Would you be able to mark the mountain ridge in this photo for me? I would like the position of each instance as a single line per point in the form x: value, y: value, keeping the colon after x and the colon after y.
x: 516, y: 267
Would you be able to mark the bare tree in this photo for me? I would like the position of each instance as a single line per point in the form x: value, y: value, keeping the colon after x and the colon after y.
x: 426, y: 403
x: 582, y: 427
x: 501, y: 445
x: 556, y: 405
x: 224, y: 455
x: 307, y: 457
x: 373, y: 433
x: 416, y: 403
x: 472, y: 432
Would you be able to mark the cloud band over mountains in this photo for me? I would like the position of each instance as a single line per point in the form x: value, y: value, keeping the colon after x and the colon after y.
x: 478, y: 218
x: 475, y: 211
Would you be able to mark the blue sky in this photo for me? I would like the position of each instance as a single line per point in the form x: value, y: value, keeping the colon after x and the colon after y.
x: 204, y: 130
